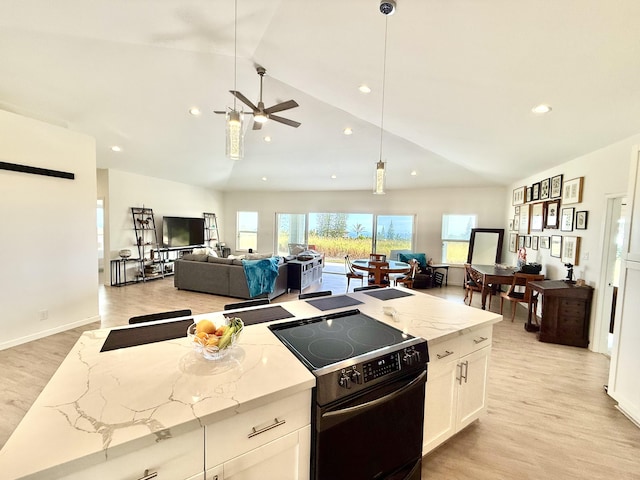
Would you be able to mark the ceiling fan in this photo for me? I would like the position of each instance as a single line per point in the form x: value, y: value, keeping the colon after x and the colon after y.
x: 261, y: 114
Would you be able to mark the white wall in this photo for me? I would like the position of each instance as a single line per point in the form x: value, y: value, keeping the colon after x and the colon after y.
x: 48, y: 231
x: 126, y: 190
x: 427, y: 204
x: 605, y: 172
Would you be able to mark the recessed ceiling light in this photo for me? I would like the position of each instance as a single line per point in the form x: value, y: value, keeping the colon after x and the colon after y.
x: 413, y: 173
x: 347, y: 131
x: 116, y: 148
x: 267, y: 139
x: 194, y: 111
x: 334, y: 176
x: 364, y: 89
x: 540, y: 109
x: 264, y: 179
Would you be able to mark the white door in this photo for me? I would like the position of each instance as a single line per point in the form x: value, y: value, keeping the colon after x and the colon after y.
x: 472, y: 395
x: 440, y: 404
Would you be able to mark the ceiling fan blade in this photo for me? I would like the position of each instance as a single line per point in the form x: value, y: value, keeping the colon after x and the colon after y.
x: 286, y: 121
x: 281, y: 106
x: 243, y: 99
x: 219, y: 111
x: 256, y: 126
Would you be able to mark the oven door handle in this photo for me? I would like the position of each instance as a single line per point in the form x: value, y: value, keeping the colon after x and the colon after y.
x: 373, y: 403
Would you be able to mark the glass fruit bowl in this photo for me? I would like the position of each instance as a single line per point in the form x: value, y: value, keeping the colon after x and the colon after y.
x: 213, y: 341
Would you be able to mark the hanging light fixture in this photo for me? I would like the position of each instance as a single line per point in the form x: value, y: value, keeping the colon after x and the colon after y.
x: 234, y: 132
x: 380, y: 178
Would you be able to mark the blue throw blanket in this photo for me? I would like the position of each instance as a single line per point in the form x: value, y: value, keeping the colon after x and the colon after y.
x: 261, y: 275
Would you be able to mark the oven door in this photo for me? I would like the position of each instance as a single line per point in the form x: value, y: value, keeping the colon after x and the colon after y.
x: 374, y: 435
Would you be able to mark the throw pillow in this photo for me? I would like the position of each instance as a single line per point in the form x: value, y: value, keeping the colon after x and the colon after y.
x: 420, y: 257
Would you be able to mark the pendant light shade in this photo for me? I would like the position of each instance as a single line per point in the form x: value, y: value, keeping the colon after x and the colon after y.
x: 380, y: 178
x: 234, y: 145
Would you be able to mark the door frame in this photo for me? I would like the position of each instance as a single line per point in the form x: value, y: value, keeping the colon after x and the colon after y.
x: 599, y: 341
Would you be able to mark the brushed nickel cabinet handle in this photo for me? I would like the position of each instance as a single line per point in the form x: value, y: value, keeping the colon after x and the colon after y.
x: 480, y: 340
x: 444, y: 355
x: 276, y: 423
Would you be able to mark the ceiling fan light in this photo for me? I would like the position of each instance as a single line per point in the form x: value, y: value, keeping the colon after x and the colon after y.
x: 260, y: 118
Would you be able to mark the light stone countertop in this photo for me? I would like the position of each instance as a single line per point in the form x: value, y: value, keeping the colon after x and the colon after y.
x: 100, y: 405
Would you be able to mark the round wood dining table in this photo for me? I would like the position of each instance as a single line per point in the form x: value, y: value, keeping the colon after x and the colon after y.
x: 379, y: 272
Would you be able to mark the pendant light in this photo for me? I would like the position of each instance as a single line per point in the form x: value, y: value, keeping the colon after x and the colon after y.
x: 234, y: 132
x: 380, y: 178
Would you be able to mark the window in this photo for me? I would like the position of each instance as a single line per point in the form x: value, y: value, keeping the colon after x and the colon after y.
x: 291, y: 228
x: 340, y: 234
x: 393, y: 232
x: 456, y: 232
x: 247, y: 231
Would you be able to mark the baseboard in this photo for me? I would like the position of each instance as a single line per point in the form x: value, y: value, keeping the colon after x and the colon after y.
x: 46, y: 333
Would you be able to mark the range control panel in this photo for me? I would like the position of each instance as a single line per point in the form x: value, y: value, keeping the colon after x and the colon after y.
x: 381, y: 367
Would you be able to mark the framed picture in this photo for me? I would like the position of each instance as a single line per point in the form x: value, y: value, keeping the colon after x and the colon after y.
x: 518, y: 210
x: 511, y: 225
x: 516, y: 223
x: 581, y: 220
x: 572, y: 191
x: 537, y: 217
x: 513, y: 242
x: 535, y: 192
x: 556, y: 246
x: 545, y: 189
x: 570, y: 250
x: 544, y: 242
x: 518, y: 196
x: 528, y: 194
x: 567, y: 219
x: 527, y: 241
x: 553, y: 214
x: 535, y: 242
x: 556, y: 186
x: 523, y: 224
x: 520, y: 241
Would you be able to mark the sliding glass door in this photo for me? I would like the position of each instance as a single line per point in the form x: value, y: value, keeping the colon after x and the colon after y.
x: 291, y: 229
x: 340, y: 234
x: 393, y: 232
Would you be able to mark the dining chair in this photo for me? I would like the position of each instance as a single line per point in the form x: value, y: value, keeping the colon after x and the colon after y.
x: 384, y: 277
x: 378, y: 257
x: 407, y: 280
x: 472, y: 283
x: 247, y: 303
x: 350, y: 272
x: 323, y: 293
x: 520, y: 292
x: 159, y: 316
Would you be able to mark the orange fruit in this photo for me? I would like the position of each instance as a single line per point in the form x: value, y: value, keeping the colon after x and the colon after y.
x: 206, y: 326
x: 220, y: 331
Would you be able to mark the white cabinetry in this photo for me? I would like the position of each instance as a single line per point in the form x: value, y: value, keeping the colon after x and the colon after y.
x: 625, y: 356
x: 178, y: 458
x: 269, y: 442
x: 456, y: 392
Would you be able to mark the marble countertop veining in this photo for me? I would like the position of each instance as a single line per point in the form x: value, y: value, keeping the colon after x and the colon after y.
x: 102, y: 404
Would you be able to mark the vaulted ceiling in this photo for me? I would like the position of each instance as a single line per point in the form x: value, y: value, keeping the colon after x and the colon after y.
x: 461, y: 79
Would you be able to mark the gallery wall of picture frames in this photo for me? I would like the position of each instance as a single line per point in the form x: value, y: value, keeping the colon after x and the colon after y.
x: 549, y: 204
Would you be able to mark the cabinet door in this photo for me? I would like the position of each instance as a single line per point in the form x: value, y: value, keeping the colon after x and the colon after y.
x: 472, y: 392
x: 282, y: 459
x: 440, y: 404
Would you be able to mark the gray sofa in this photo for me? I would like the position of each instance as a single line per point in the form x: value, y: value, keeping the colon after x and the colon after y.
x: 220, y: 276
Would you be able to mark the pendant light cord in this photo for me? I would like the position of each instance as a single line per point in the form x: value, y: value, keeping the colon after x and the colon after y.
x: 384, y: 75
x: 235, y: 52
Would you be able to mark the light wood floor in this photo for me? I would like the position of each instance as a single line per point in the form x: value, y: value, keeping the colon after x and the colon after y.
x: 548, y: 414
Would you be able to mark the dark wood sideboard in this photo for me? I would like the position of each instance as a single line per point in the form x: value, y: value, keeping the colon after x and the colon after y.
x: 566, y: 309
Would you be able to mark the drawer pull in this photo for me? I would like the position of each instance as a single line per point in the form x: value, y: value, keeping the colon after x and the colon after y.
x: 276, y: 423
x: 148, y: 476
x: 443, y: 355
x: 480, y: 340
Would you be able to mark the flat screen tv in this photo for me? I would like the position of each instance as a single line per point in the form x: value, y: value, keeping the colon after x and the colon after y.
x: 182, y: 231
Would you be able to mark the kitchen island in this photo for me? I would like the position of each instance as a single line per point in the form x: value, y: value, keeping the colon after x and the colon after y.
x: 134, y: 411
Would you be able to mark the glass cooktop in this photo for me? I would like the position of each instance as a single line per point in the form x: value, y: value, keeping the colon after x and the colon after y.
x: 322, y: 341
